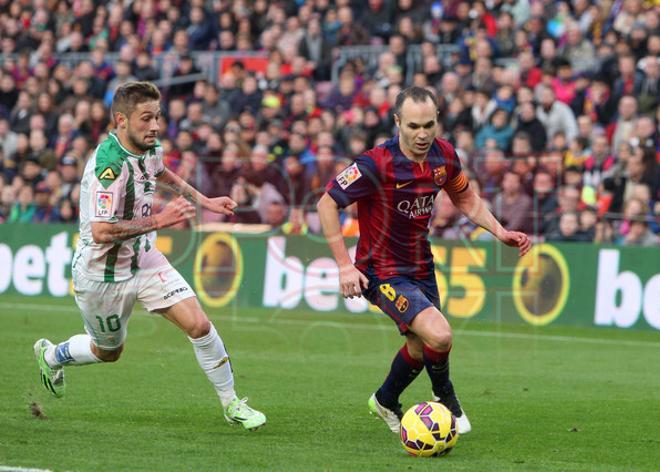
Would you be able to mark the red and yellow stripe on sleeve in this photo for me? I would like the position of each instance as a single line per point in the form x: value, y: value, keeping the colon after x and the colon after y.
x: 458, y: 184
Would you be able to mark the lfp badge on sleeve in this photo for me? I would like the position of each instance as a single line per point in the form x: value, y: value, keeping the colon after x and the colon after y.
x: 103, y: 204
x: 348, y: 176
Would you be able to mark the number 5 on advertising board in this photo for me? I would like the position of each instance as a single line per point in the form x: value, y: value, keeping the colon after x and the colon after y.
x: 464, y: 294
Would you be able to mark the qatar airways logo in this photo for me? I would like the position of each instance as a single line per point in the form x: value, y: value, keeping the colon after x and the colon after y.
x: 420, y: 206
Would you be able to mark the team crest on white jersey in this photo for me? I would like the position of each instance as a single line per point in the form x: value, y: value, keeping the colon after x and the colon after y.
x: 103, y: 204
x: 107, y: 174
x: 348, y: 176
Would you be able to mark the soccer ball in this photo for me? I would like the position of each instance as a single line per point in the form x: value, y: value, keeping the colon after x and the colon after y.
x: 428, y: 429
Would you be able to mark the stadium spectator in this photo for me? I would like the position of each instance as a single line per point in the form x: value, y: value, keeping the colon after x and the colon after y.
x: 563, y: 84
x: 144, y: 68
x: 314, y: 47
x: 490, y: 172
x: 66, y: 132
x: 44, y: 211
x: 482, y: 109
x: 588, y: 221
x: 569, y: 202
x: 482, y: 76
x: 66, y: 212
x: 513, y: 206
x: 529, y: 124
x: 599, y: 162
x: 30, y: 170
x: 568, y: 228
x: 276, y: 214
x: 248, y: 97
x: 68, y: 170
x: 296, y: 224
x: 650, y: 87
x: 556, y: 116
x: 246, y: 196
x: 639, y: 235
x: 8, y: 140
x: 640, y: 168
x: 545, y: 202
x: 8, y: 93
x: 323, y: 171
x: 578, y: 50
x: 19, y: 118
x: 623, y: 128
x: 630, y: 79
x: 377, y: 18
x: 594, y: 57
x: 349, y: 33
x: 185, y: 67
x: 498, y: 129
x: 505, y: 36
x: 39, y: 151
x: 530, y: 74
x: 200, y: 30
x: 24, y: 208
x: 548, y: 58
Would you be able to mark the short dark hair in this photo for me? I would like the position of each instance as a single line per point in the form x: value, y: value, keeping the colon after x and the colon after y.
x: 131, y: 94
x: 416, y: 94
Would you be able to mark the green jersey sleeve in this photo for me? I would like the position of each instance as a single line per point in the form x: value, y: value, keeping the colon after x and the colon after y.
x: 109, y: 163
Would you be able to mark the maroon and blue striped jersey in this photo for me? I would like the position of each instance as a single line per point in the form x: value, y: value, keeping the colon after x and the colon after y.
x: 395, y: 197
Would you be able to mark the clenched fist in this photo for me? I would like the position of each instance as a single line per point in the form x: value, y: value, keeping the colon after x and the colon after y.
x: 222, y: 205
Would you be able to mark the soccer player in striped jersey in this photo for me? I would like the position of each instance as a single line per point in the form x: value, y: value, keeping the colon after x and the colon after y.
x: 116, y: 262
x: 395, y: 186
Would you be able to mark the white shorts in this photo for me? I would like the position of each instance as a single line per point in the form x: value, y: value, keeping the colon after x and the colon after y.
x: 106, y: 307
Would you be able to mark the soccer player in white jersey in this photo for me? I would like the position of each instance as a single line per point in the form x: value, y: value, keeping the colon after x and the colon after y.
x: 116, y: 262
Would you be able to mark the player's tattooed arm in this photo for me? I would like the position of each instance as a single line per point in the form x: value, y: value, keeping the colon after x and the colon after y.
x: 222, y: 205
x: 179, y: 186
x: 175, y: 212
x: 109, y: 233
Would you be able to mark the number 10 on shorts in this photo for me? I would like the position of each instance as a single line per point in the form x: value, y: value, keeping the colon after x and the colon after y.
x: 111, y: 323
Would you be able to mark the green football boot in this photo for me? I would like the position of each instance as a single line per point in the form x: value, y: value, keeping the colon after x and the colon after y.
x: 390, y: 415
x: 52, y: 379
x: 238, y: 412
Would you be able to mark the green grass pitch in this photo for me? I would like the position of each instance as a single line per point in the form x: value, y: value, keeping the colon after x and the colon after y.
x: 539, y: 399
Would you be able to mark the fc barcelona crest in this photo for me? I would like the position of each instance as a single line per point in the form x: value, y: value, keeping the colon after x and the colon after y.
x: 440, y: 176
x: 402, y: 303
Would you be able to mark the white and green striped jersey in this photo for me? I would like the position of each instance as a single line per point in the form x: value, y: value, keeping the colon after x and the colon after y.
x: 117, y: 185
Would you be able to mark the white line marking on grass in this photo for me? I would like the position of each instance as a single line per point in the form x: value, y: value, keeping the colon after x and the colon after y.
x: 483, y: 334
x: 563, y: 339
x: 9, y: 468
x: 39, y: 307
x: 381, y: 327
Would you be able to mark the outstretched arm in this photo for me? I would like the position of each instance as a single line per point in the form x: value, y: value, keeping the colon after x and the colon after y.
x: 351, y: 280
x: 174, y: 212
x: 472, y: 206
x: 222, y: 205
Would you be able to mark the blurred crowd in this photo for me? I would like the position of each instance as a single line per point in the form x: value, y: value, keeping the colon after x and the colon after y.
x: 552, y: 106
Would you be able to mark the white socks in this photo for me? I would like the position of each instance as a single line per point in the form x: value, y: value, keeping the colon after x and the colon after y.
x: 209, y: 350
x: 214, y: 361
x: 76, y: 351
